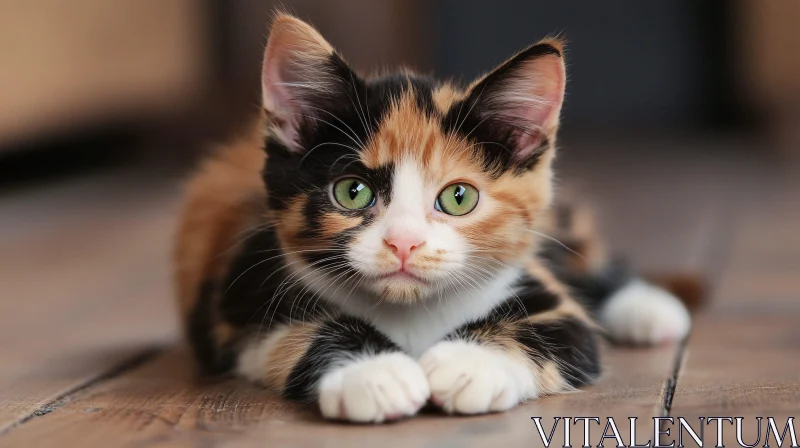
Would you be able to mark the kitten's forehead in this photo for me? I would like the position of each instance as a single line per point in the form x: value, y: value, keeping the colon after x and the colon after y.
x: 411, y: 132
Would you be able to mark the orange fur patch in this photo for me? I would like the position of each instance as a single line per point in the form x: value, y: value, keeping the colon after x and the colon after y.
x: 286, y: 352
x: 291, y: 222
x: 445, y: 96
x: 333, y: 224
x: 567, y: 307
x: 223, y: 202
x: 405, y: 132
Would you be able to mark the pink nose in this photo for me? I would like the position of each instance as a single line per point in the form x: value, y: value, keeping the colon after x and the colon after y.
x: 402, y: 247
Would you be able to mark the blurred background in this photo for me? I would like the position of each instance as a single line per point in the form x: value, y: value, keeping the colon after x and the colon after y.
x: 681, y: 123
x: 89, y: 73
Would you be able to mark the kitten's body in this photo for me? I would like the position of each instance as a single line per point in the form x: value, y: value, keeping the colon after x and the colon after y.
x: 371, y: 311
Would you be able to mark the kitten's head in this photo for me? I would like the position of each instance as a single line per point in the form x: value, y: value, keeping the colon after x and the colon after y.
x: 401, y: 185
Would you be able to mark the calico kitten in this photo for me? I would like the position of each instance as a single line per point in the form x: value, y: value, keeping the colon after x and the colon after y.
x: 376, y: 243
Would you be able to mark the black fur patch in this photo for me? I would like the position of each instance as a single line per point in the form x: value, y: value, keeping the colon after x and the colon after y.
x: 212, y: 359
x: 532, y: 298
x: 592, y: 288
x: 259, y: 291
x: 335, y: 340
x: 497, y: 135
x: 568, y: 342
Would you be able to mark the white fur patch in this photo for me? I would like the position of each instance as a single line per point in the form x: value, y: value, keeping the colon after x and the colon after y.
x: 417, y: 327
x: 384, y: 387
x: 467, y: 378
x: 252, y: 362
x: 641, y: 313
x: 409, y: 203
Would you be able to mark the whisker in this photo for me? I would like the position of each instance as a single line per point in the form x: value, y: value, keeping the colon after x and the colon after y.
x: 269, y: 302
x: 360, y: 116
x: 324, y: 271
x: 302, y: 159
x: 361, y: 145
x: 259, y: 263
x: 283, y: 288
x: 331, y: 125
x: 557, y: 242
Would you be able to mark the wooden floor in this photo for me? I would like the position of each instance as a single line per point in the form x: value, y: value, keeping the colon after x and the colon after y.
x: 88, y: 351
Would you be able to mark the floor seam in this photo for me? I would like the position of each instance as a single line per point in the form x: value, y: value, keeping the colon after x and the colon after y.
x: 64, y: 398
x: 671, y: 383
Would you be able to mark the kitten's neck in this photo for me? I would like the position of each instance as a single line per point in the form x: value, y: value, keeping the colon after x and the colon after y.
x: 417, y: 327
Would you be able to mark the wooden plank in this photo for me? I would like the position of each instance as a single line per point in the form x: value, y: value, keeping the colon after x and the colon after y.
x: 744, y: 354
x: 741, y: 365
x: 162, y: 403
x: 764, y: 256
x: 85, y: 286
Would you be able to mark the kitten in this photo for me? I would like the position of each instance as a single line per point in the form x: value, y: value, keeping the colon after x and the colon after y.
x: 375, y: 243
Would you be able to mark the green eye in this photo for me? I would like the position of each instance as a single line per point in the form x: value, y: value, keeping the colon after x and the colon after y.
x: 353, y: 194
x: 457, y: 199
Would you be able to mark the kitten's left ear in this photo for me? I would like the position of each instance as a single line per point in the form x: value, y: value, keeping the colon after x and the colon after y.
x: 522, y: 98
x: 300, y: 78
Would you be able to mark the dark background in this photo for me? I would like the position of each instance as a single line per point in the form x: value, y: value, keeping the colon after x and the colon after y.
x: 660, y: 64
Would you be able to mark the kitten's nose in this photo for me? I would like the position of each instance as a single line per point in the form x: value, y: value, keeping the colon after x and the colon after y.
x: 403, y: 246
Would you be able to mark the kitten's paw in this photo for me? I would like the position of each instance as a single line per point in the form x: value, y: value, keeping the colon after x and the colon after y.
x: 641, y: 313
x: 376, y: 389
x: 467, y: 378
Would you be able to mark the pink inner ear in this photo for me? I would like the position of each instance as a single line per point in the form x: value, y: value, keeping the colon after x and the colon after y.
x: 294, y: 66
x: 527, y: 143
x: 534, y: 99
x: 275, y: 96
x: 278, y: 98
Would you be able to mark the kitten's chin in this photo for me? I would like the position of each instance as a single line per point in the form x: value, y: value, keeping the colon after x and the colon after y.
x: 400, y: 290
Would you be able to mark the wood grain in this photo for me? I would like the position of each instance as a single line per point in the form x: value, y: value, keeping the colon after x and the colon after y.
x: 162, y: 402
x: 85, y: 287
x: 741, y: 365
x: 744, y: 354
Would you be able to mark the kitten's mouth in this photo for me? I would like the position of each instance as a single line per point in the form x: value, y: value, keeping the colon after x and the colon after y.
x: 401, y: 287
x: 402, y: 274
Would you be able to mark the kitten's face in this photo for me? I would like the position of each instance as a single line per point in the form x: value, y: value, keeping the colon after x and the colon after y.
x: 402, y: 186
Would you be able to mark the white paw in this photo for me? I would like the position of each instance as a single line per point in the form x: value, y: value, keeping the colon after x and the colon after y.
x: 384, y: 387
x: 641, y: 313
x: 467, y: 378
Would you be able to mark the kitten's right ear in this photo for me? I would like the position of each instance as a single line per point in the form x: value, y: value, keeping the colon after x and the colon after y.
x: 300, y: 73
x: 521, y: 99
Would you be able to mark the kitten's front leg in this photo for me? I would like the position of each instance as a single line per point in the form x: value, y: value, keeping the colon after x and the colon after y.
x: 494, y: 364
x: 349, y: 368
